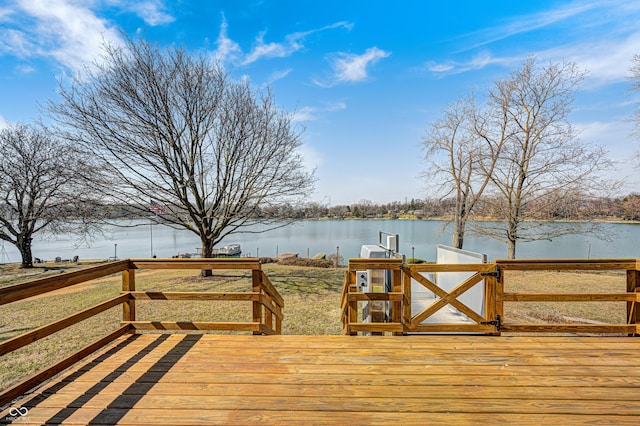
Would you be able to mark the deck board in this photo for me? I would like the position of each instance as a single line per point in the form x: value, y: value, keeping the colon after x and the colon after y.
x: 200, y: 379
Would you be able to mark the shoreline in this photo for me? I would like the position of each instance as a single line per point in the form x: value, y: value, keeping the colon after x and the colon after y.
x: 450, y: 218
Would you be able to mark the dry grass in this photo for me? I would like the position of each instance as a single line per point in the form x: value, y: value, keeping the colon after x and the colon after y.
x: 312, y: 306
x: 11, y: 273
x: 565, y: 282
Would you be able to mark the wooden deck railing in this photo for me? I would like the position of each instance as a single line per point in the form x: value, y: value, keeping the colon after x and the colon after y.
x: 493, y: 320
x: 267, y: 306
x: 631, y: 296
x: 267, y: 303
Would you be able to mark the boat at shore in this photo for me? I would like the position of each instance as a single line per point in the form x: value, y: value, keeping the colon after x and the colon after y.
x: 231, y: 250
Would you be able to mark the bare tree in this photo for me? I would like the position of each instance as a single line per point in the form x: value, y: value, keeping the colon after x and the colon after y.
x: 43, y: 187
x: 462, y: 148
x: 171, y: 126
x: 635, y: 87
x: 364, y: 208
x: 631, y: 207
x: 542, y: 159
x: 635, y: 82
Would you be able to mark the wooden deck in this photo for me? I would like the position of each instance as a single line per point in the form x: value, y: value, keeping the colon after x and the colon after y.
x: 232, y: 379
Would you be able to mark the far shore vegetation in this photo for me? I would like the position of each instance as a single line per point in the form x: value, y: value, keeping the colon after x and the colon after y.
x: 623, y: 208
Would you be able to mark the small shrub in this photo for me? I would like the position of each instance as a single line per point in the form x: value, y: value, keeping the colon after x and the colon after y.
x: 335, y: 259
x: 301, y: 261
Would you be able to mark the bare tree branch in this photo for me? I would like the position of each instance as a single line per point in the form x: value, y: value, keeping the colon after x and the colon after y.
x: 542, y: 159
x: 172, y: 127
x: 462, y: 148
x: 43, y: 187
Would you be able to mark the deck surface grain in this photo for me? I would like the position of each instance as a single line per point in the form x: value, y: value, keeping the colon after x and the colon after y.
x: 223, y: 379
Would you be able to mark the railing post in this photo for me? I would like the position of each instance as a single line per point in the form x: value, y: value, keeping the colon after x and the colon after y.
x: 352, y: 312
x: 129, y: 284
x: 268, y: 313
x: 498, y: 292
x: 406, y: 300
x: 490, y: 285
x: 396, y: 307
x: 633, y: 286
x: 344, y: 306
x: 257, y: 304
x: 279, y: 320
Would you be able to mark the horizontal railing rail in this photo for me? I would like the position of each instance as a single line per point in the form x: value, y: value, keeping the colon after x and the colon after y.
x: 268, y: 304
x: 41, y: 286
x: 632, y: 295
x: 267, y: 307
x: 491, y: 275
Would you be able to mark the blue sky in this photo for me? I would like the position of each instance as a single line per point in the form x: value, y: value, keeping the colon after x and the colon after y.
x: 365, y: 78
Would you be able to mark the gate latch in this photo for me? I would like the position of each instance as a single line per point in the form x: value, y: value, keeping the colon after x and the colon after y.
x: 495, y: 322
x: 496, y: 273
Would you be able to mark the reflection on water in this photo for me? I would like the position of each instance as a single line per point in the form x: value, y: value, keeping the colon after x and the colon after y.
x: 328, y: 236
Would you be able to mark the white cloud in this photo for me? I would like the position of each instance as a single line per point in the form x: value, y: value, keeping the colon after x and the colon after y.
x: 15, y: 42
x: 613, y: 134
x: 309, y: 113
x: 3, y: 123
x: 5, y: 12
x: 615, y: 137
x: 523, y: 24
x: 477, y: 62
x: 25, y: 69
x: 278, y: 75
x: 269, y: 50
x: 438, y: 68
x: 68, y: 30
x: 303, y: 34
x: 227, y: 49
x: 293, y: 42
x: 151, y: 11
x: 350, y: 68
x: 607, y: 60
x: 312, y: 158
x: 61, y: 29
x: 305, y: 114
x: 600, y: 36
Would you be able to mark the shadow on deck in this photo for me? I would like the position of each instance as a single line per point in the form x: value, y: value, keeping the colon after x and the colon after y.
x: 196, y: 379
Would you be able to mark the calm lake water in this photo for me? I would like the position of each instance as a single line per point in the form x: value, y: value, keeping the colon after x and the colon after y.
x: 324, y: 236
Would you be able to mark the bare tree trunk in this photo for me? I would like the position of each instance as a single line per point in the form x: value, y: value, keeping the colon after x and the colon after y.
x: 24, y: 246
x: 207, y: 252
x: 458, y: 232
x: 512, y: 238
x: 511, y: 248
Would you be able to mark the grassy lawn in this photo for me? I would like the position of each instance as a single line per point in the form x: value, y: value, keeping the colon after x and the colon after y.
x: 312, y: 305
x: 567, y: 282
x: 11, y: 273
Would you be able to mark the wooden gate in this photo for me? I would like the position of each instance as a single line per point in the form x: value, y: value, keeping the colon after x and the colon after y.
x: 478, y: 322
x: 400, y: 319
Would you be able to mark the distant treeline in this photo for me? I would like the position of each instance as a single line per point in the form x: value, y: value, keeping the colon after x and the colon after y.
x: 620, y: 208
